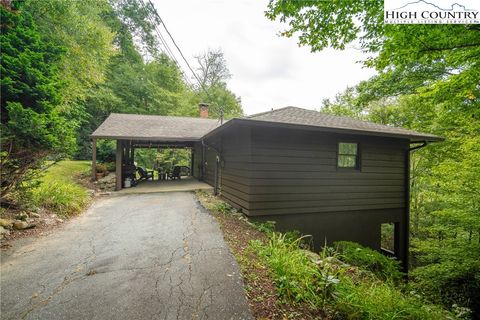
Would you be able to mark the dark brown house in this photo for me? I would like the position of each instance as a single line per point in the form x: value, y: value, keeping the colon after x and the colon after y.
x: 332, y: 177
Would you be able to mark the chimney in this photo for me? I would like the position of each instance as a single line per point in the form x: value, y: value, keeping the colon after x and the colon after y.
x: 203, y: 109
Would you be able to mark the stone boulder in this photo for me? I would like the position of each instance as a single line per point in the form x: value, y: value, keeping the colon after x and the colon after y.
x: 21, y: 225
x: 6, y: 223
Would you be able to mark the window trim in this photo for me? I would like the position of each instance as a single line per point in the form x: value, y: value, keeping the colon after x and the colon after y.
x: 358, y: 166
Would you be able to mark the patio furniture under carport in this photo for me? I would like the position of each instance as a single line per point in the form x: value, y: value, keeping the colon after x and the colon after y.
x: 131, y: 131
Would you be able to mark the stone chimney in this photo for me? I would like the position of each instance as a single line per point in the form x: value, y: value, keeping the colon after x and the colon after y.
x: 203, y: 109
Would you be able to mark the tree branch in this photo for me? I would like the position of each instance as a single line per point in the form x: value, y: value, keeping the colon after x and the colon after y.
x: 467, y: 45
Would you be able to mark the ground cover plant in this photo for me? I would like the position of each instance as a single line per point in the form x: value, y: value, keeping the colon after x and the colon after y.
x: 345, y: 281
x: 59, y: 191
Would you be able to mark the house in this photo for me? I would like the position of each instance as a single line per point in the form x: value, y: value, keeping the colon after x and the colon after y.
x: 334, y: 178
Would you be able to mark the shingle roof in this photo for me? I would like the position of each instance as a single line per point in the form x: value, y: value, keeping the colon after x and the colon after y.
x: 170, y: 128
x: 304, y: 117
x: 149, y: 127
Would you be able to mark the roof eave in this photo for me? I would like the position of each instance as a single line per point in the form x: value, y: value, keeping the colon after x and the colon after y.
x: 159, y: 139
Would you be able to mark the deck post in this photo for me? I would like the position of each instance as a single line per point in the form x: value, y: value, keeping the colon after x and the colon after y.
x: 192, y: 162
x: 94, y: 159
x: 118, y: 165
x: 132, y: 153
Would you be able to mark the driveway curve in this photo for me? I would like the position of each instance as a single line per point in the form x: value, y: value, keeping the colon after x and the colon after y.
x: 142, y: 256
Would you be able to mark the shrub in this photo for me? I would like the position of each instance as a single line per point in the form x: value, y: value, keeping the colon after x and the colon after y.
x: 265, y: 227
x: 64, y: 199
x: 110, y: 166
x: 223, y: 207
x: 101, y: 168
x: 296, y: 276
x: 382, y: 266
x: 451, y: 283
x: 58, y: 191
x: 379, y: 300
x: 106, y: 150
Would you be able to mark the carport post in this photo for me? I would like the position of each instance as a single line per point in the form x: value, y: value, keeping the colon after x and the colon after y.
x: 94, y: 159
x: 118, y: 165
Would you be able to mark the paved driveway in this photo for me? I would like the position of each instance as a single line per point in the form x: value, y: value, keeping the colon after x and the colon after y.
x: 149, y: 256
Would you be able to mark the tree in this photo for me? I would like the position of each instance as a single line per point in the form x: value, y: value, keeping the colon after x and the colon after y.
x: 80, y: 28
x: 440, y: 59
x: 212, y: 68
x: 213, y: 74
x: 429, y: 80
x: 32, y: 123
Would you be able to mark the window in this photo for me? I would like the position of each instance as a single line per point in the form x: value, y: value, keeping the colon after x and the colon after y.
x: 348, y: 155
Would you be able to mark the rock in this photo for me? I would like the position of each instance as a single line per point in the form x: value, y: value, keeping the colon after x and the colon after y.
x: 59, y: 220
x: 34, y: 215
x: 29, y: 220
x: 21, y: 216
x: 20, y: 225
x: 91, y: 192
x: 6, y: 223
x: 315, y: 258
x: 4, y: 232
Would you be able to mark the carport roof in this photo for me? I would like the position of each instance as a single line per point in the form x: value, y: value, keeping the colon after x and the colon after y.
x: 154, y: 128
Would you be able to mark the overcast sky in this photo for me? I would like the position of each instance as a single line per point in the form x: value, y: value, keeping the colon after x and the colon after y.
x: 268, y: 71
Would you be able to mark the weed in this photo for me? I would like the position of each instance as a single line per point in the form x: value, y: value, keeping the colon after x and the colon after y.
x: 223, y: 207
x: 265, y: 227
x: 382, y: 266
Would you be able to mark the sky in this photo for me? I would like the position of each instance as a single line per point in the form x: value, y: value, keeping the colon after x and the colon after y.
x: 268, y: 71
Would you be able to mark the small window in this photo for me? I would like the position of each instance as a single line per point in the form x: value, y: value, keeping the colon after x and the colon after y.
x: 347, y: 155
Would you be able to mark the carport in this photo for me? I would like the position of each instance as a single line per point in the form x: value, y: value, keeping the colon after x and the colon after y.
x: 133, y: 131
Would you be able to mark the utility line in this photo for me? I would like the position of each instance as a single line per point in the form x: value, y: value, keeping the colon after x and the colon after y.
x: 168, y: 52
x: 182, y: 55
x: 173, y: 40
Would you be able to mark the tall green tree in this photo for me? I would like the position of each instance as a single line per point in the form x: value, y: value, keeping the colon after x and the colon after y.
x: 32, y: 123
x: 80, y: 28
x: 429, y: 80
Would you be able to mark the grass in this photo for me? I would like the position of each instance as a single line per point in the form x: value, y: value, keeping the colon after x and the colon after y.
x: 338, y: 288
x: 351, y: 283
x: 59, y: 191
x: 259, y: 284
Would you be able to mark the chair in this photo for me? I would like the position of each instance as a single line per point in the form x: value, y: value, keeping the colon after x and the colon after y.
x: 175, y: 173
x: 144, y: 174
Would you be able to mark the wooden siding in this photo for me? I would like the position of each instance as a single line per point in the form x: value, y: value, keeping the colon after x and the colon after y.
x: 234, y: 169
x: 294, y: 171
x: 209, y: 165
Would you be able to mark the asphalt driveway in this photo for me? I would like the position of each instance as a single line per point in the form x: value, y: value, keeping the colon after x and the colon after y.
x: 144, y: 256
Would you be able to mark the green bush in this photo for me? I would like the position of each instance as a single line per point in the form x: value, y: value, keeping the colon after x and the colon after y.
x: 106, y: 151
x: 64, y: 199
x: 223, y: 207
x: 110, y: 166
x: 265, y: 227
x: 58, y: 191
x: 324, y: 281
x: 296, y: 276
x: 382, y: 266
x: 365, y: 299
x: 451, y: 283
